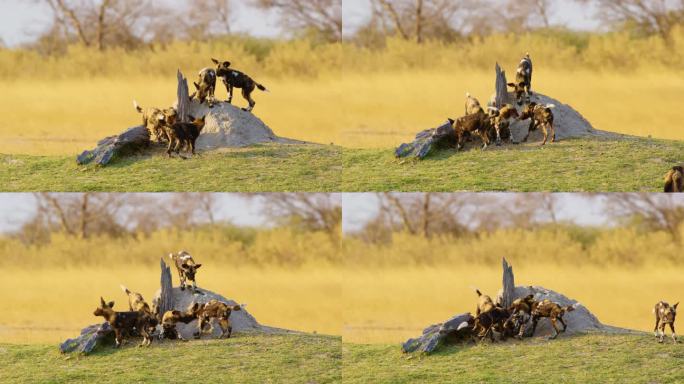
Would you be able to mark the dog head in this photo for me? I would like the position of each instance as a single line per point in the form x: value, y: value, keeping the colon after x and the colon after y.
x: 190, y: 270
x: 170, y: 115
x: 519, y: 90
x: 104, y: 308
x: 670, y: 313
x: 222, y: 67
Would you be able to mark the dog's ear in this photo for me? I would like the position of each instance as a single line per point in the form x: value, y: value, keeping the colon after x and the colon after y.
x: 675, y: 306
x: 451, y: 121
x: 214, y: 60
x: 226, y: 64
x: 197, y: 266
x: 511, y: 85
x: 196, y: 85
x: 110, y: 304
x: 102, y: 302
x: 184, y: 266
x: 191, y: 117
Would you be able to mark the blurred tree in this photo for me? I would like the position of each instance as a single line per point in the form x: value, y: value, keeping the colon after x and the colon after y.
x: 308, y: 211
x: 651, y: 211
x: 323, y: 17
x: 80, y: 215
x: 646, y: 17
x: 420, y: 19
x: 207, y: 18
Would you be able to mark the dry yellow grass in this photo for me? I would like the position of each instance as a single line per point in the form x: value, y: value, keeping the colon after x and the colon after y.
x: 385, y: 109
x: 389, y: 305
x: 49, y: 305
x: 67, y: 116
x: 355, y: 110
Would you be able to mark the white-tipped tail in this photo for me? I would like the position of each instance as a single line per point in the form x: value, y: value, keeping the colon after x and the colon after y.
x: 123, y: 287
x: 171, y: 255
x: 492, y: 108
x: 467, y: 94
x: 550, y: 106
x: 462, y: 325
x: 136, y: 106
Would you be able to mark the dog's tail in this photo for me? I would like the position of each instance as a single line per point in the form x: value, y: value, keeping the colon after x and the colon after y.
x: 236, y: 307
x: 123, y: 287
x: 550, y: 106
x: 137, y: 107
x: 262, y: 88
x: 477, y: 291
x: 172, y: 256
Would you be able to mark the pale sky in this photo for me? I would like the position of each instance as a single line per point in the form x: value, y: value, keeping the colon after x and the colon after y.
x: 17, y: 208
x: 356, y: 13
x: 22, y: 20
x: 359, y: 208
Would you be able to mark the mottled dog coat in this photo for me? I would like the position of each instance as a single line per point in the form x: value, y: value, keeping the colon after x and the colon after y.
x: 665, y: 314
x: 523, y: 79
x: 541, y: 116
x: 215, y: 309
x: 123, y: 323
x: 186, y: 267
x: 235, y: 79
x: 674, y: 180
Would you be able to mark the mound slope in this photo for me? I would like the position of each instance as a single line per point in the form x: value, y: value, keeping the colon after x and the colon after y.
x: 242, y: 320
x: 230, y: 126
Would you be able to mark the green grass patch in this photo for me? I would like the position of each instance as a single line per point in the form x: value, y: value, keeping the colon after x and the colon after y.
x: 243, y: 358
x: 592, y: 358
x: 573, y: 165
x: 262, y: 168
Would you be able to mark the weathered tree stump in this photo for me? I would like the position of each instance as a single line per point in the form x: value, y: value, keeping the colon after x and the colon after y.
x: 130, y: 140
x: 165, y: 300
x: 500, y: 87
x: 182, y: 98
x: 508, y: 283
x: 425, y: 141
x: 454, y: 329
x: 89, y: 338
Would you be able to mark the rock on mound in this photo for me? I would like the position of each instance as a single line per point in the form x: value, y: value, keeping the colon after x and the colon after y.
x: 241, y: 320
x: 567, y: 121
x: 580, y: 320
x: 230, y: 126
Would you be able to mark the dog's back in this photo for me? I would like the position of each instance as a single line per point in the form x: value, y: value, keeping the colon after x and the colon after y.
x: 674, y: 180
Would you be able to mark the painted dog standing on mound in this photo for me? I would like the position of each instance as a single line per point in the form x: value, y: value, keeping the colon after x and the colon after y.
x: 187, y: 268
x: 523, y: 80
x: 236, y: 79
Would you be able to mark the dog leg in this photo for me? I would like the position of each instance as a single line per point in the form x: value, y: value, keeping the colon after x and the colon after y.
x: 546, y: 134
x: 118, y: 338
x: 655, y: 330
x: 674, y: 335
x: 565, y: 326
x: 662, y: 332
x: 555, y: 328
x: 553, y: 133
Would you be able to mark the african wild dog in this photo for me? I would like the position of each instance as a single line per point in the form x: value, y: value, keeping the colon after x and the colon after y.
x: 521, y: 311
x: 472, y: 105
x: 665, y: 315
x: 171, y: 318
x: 541, y: 116
x: 154, y: 119
x: 136, y: 302
x: 236, y: 79
x: 493, y: 319
x: 206, y: 87
x: 187, y: 268
x: 674, y: 179
x: 551, y: 310
x: 215, y: 309
x: 484, y: 302
x: 123, y: 323
x: 523, y: 80
x: 477, y: 123
x: 500, y: 120
x: 184, y: 135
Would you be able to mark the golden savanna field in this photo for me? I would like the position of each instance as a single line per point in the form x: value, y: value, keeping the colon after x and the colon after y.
x: 398, y: 289
x: 58, y: 285
x: 341, y: 94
